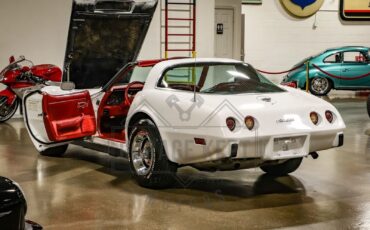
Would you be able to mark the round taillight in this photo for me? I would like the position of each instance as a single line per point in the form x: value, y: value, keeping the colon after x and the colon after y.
x: 249, y: 122
x: 329, y: 116
x: 314, y: 118
x: 231, y: 124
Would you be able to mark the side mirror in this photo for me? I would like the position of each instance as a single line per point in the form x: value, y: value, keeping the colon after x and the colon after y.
x: 68, y: 85
x: 11, y: 59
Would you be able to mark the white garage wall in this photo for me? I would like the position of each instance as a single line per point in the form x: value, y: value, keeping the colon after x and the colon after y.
x: 276, y: 41
x: 38, y: 29
x: 34, y: 28
x: 273, y: 39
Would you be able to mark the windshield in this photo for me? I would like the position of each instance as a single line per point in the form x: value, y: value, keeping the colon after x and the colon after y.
x: 134, y: 73
x: 217, y: 79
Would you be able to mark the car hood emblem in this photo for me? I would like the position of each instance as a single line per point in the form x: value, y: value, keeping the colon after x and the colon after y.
x: 266, y: 100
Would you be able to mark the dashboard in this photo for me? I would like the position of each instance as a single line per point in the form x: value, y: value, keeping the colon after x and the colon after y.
x: 117, y: 97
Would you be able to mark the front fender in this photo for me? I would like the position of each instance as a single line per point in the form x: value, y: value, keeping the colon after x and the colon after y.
x: 9, y: 94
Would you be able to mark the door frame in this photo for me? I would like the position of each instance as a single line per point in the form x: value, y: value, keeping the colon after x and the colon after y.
x: 236, y: 6
x: 233, y: 26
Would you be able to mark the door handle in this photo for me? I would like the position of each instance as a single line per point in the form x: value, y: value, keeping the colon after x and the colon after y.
x: 346, y: 70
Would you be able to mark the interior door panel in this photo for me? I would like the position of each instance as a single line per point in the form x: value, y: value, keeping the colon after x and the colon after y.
x: 68, y: 117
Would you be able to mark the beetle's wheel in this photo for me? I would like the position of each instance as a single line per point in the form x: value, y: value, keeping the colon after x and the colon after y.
x: 320, y: 86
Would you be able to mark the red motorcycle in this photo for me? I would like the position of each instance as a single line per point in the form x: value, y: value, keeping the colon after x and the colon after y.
x: 19, y: 78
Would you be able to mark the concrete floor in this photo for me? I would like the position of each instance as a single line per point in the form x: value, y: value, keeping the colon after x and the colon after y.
x: 90, y: 190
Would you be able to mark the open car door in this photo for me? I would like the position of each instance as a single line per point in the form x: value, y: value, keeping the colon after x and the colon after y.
x: 103, y: 37
x: 52, y: 119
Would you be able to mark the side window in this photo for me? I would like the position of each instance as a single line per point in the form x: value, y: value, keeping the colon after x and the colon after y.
x: 335, y: 58
x: 354, y: 57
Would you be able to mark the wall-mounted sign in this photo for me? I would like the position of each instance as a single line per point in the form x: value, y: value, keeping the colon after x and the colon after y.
x: 302, y: 8
x: 220, y: 28
x: 355, y: 10
x: 252, y: 1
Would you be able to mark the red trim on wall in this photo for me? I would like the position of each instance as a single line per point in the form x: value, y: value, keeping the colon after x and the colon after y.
x: 357, y: 11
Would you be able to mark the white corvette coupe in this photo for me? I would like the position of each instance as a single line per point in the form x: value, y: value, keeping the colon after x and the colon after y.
x: 211, y: 114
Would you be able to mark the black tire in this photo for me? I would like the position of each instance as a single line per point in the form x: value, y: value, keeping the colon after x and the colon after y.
x: 283, y: 169
x: 368, y: 106
x: 58, y: 151
x: 320, y: 86
x: 10, y: 111
x: 155, y: 171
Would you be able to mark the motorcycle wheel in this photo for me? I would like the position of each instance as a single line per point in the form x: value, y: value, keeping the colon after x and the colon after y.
x: 7, y: 112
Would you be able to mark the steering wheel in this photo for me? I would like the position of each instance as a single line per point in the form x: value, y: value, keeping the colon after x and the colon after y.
x: 128, y: 99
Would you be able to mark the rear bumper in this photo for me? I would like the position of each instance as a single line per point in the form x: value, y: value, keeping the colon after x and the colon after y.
x: 265, y: 148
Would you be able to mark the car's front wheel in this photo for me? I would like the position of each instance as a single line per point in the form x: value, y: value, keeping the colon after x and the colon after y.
x: 148, y: 160
x: 283, y: 169
x: 320, y: 86
x: 58, y: 151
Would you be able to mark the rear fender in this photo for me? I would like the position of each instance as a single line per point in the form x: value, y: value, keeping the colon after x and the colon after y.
x: 10, y: 95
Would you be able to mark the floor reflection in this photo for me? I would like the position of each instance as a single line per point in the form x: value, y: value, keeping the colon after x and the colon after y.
x: 193, y: 188
x: 14, y: 132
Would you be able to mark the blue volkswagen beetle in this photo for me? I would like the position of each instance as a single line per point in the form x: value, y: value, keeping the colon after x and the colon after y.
x: 346, y: 68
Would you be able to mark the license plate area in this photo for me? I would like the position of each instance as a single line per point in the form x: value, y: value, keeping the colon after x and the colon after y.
x: 284, y: 144
x: 287, y: 147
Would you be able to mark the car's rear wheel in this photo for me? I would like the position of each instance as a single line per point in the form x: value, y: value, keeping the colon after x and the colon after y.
x: 283, y: 169
x: 148, y: 160
x: 58, y: 151
x: 320, y: 86
x: 368, y: 106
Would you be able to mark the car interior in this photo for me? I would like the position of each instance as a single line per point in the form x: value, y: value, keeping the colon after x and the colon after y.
x: 117, y: 100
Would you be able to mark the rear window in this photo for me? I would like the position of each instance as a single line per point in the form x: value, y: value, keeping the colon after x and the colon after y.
x: 217, y: 79
x: 354, y: 57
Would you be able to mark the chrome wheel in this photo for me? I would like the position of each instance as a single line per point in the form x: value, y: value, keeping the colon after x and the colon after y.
x: 320, y: 86
x: 148, y: 159
x: 143, y: 153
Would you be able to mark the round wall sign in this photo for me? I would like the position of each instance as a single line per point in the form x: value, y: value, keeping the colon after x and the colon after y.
x: 302, y: 8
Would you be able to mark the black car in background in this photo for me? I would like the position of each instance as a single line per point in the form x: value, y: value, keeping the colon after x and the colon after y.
x: 13, y: 207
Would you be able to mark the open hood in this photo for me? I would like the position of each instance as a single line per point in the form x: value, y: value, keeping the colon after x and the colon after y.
x: 104, y: 35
